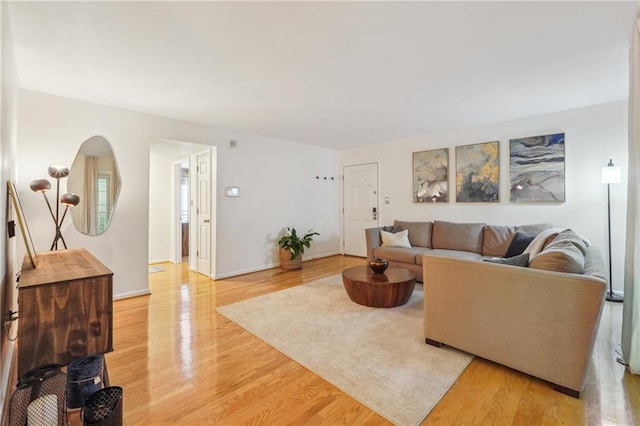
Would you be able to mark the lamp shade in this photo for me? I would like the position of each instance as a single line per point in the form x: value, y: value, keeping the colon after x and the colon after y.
x: 58, y: 172
x: 611, y: 173
x: 40, y: 185
x: 70, y: 200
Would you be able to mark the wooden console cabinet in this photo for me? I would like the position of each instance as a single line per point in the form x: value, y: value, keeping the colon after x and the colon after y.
x: 65, y: 306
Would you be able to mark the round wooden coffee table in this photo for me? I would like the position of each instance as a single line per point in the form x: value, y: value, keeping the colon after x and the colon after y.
x: 391, y: 288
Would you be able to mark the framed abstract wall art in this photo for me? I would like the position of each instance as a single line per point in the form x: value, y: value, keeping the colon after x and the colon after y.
x: 537, y: 168
x: 477, y: 172
x: 430, y: 176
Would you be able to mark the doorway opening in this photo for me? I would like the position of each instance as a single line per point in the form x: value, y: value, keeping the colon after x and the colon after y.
x: 182, y: 197
x: 184, y: 203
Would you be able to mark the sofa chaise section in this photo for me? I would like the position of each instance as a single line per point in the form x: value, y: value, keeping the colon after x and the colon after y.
x: 536, y: 321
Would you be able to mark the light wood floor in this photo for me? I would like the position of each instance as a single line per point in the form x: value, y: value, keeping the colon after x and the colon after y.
x: 180, y: 362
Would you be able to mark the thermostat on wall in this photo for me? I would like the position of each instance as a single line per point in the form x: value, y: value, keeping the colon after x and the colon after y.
x: 232, y: 191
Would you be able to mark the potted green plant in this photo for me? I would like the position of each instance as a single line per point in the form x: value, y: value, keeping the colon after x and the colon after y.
x: 292, y: 246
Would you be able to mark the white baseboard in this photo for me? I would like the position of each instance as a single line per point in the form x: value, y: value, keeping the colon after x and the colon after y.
x: 243, y: 271
x: 269, y: 266
x: 151, y: 262
x: 319, y: 256
x: 131, y: 294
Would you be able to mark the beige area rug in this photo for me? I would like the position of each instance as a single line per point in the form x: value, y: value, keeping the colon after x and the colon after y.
x: 378, y: 356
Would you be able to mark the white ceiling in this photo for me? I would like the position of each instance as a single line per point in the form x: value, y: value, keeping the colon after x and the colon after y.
x: 337, y: 74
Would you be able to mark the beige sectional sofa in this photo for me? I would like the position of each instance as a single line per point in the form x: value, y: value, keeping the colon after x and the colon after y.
x: 474, y: 241
x: 541, y: 319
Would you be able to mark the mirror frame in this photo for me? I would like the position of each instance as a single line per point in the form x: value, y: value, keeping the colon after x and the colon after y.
x: 22, y: 221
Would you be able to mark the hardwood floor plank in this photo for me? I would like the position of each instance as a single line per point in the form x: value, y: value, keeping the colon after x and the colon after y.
x: 182, y: 363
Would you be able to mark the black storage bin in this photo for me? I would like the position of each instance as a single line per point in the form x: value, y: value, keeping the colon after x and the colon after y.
x: 40, y: 397
x: 84, y: 377
x: 103, y: 407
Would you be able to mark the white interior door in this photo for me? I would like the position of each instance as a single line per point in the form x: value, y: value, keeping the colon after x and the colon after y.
x: 360, y: 201
x: 203, y: 212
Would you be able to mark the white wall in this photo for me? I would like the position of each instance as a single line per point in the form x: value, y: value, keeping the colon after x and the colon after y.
x: 160, y: 205
x: 277, y: 189
x: 592, y: 136
x: 8, y: 257
x: 276, y: 180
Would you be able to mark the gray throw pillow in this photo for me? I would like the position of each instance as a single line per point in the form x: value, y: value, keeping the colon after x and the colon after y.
x: 519, y: 243
x: 392, y: 229
x: 520, y: 260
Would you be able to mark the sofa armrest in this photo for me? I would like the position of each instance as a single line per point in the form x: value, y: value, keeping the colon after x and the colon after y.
x: 539, y: 322
x: 372, y: 235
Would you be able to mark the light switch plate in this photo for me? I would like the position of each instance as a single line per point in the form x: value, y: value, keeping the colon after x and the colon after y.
x: 232, y: 191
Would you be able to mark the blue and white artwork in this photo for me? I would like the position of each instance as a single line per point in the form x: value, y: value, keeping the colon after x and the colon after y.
x: 537, y: 168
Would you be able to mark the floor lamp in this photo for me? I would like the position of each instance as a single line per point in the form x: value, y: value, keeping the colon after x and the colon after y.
x: 610, y: 174
x: 67, y: 200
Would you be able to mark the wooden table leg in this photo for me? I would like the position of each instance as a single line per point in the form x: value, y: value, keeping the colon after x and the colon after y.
x: 105, y: 372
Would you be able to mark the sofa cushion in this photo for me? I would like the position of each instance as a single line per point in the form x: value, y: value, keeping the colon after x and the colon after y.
x: 541, y: 241
x: 562, y: 256
x: 457, y: 236
x: 496, y: 239
x: 419, y: 232
x: 570, y: 237
x: 451, y: 253
x: 519, y: 260
x: 594, y: 264
x: 533, y: 229
x: 549, y: 240
x: 399, y: 239
x: 392, y: 229
x: 518, y: 244
x: 398, y: 254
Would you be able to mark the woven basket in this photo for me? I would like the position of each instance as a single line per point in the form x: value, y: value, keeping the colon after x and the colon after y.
x: 287, y: 263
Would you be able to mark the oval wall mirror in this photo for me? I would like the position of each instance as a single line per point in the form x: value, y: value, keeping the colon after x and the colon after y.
x: 95, y: 178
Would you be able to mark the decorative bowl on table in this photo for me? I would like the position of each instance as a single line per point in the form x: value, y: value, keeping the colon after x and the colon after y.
x: 378, y: 265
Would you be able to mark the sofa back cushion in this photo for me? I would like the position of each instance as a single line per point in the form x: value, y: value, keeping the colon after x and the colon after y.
x: 561, y: 257
x: 564, y: 254
x: 419, y: 232
x: 458, y: 236
x: 568, y: 236
x: 498, y: 238
x: 533, y: 229
x: 594, y: 264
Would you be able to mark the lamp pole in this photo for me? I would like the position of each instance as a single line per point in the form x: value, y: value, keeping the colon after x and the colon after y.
x: 611, y: 296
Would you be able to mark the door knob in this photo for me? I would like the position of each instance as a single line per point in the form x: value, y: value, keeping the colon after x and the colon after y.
x: 206, y: 221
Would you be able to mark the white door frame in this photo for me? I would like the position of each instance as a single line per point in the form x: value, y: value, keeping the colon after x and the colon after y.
x: 175, y: 217
x: 193, y: 216
x: 176, y: 224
